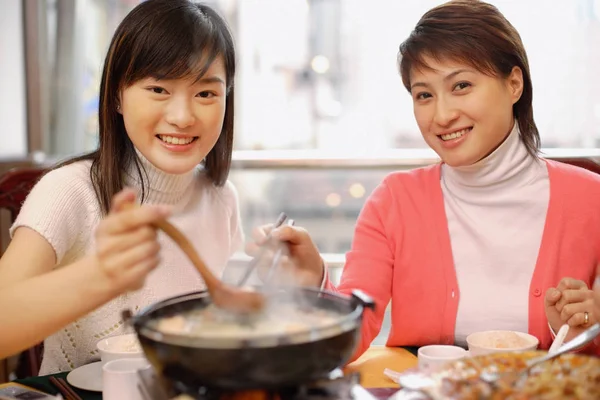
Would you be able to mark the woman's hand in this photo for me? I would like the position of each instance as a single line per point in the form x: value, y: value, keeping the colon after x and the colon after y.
x: 571, y: 302
x: 126, y: 245
x: 301, y: 264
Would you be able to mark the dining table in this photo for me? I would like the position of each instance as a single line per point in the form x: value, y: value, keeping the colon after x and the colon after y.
x: 370, y: 366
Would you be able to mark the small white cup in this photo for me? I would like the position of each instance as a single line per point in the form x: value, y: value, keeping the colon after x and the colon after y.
x: 434, y: 356
x: 120, y: 378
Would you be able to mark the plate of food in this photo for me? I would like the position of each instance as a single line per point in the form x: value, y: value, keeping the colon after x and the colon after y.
x: 571, y: 376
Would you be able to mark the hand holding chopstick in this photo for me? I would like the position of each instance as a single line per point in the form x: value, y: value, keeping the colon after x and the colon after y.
x: 255, y: 261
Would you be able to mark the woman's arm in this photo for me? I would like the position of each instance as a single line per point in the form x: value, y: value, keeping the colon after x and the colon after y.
x: 35, y: 303
x: 34, y: 308
x: 370, y: 263
x: 29, y: 254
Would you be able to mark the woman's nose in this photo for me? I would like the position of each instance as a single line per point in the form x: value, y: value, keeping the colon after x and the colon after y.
x: 180, y: 114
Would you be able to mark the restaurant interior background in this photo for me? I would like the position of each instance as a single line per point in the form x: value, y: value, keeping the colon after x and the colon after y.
x: 321, y: 113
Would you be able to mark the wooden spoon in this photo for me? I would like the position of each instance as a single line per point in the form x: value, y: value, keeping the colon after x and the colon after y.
x: 224, y: 296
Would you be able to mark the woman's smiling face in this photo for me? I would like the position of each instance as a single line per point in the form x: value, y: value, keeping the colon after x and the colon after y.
x: 462, y: 113
x: 175, y: 123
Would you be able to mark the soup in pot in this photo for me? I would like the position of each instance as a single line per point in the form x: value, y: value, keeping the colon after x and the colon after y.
x: 211, y: 322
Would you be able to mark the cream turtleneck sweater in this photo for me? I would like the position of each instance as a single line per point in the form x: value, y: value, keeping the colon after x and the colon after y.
x: 63, y: 208
x: 494, y: 252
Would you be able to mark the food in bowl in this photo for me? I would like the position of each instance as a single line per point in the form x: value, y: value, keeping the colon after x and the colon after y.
x: 210, y: 322
x: 120, y: 346
x: 496, y: 341
x: 127, y: 345
x: 504, y: 340
x: 572, y: 376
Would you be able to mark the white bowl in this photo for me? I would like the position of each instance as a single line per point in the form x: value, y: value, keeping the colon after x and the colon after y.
x: 117, y: 347
x: 487, y: 342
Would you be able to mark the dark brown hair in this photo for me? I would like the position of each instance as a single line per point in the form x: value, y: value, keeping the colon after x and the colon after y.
x: 477, y: 34
x: 164, y: 39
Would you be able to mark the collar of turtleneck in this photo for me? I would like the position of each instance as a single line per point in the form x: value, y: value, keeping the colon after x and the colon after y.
x: 160, y: 187
x: 510, y: 165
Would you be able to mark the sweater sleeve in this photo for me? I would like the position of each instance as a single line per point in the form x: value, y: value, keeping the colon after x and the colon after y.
x: 56, y: 207
x: 369, y: 263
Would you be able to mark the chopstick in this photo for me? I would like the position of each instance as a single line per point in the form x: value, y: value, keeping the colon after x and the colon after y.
x: 64, y: 389
x: 277, y: 258
x: 254, y: 262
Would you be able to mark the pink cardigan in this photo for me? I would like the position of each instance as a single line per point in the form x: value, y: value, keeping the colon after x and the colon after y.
x: 401, y: 250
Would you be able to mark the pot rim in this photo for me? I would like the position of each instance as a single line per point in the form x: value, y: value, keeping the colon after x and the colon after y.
x: 345, y: 323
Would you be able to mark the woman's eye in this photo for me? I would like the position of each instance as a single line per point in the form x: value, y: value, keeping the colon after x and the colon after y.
x: 462, y: 85
x: 423, y: 96
x: 206, y: 95
x: 157, y: 90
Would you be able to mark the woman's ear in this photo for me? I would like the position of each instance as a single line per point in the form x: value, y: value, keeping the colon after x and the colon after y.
x: 515, y: 83
x: 119, y: 102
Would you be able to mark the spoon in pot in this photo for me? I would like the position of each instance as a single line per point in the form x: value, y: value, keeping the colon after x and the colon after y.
x: 224, y: 296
